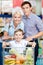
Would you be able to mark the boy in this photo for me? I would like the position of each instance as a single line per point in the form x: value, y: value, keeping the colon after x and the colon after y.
x: 19, y: 43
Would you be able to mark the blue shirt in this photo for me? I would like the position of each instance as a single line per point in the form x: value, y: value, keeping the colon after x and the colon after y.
x: 32, y: 25
x: 10, y: 28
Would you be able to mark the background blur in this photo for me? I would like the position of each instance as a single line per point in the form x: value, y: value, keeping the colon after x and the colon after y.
x: 7, y: 5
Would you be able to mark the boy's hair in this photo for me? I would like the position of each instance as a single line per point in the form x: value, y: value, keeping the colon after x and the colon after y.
x: 26, y: 2
x: 19, y: 30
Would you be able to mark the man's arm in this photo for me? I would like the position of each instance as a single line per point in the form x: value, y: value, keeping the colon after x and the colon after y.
x: 35, y: 36
x: 38, y: 35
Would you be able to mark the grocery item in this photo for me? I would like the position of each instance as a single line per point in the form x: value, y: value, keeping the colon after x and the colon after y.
x: 40, y: 51
x: 13, y: 51
x: 39, y: 61
x: 29, y: 56
x: 13, y: 56
x: 0, y: 20
x: 9, y: 61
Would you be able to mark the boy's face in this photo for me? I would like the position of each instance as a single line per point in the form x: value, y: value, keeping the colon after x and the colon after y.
x: 17, y: 18
x: 26, y: 9
x: 18, y: 36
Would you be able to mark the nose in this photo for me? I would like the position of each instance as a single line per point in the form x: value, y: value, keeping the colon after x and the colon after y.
x: 25, y: 10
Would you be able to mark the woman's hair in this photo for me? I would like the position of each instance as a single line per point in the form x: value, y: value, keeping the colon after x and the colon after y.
x: 26, y: 2
x: 19, y: 30
x: 17, y: 9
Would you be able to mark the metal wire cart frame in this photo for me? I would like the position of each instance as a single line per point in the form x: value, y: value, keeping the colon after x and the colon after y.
x: 13, y: 57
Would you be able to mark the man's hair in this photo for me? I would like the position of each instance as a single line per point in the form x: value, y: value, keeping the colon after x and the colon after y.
x: 19, y: 30
x: 26, y: 2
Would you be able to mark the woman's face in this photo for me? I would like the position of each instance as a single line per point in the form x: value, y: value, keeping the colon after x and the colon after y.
x: 17, y: 17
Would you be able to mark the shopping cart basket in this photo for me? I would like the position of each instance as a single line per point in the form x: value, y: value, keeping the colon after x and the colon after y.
x: 11, y: 56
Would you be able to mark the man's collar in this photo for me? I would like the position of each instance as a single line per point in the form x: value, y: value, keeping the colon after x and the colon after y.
x: 29, y: 17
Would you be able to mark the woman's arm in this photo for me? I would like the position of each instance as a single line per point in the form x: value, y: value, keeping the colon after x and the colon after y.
x: 6, y: 36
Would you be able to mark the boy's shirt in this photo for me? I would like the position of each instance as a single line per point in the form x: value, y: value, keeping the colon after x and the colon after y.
x: 19, y: 46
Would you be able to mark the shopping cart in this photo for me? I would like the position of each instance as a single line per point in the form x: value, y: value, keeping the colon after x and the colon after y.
x: 11, y: 56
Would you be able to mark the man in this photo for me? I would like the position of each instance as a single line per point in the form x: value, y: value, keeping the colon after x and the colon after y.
x: 32, y: 24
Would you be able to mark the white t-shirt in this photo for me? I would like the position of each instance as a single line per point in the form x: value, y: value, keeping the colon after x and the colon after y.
x: 19, y: 46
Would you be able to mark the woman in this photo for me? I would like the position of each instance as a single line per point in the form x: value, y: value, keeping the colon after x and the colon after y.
x: 15, y: 24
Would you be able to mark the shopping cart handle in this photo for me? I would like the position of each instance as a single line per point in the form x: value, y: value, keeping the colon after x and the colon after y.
x: 28, y: 45
x: 32, y: 40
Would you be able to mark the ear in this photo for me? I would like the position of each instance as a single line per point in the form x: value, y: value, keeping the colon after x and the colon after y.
x: 31, y: 8
x: 23, y: 36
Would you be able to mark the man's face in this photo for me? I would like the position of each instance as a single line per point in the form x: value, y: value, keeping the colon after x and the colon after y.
x: 26, y: 9
x: 18, y: 36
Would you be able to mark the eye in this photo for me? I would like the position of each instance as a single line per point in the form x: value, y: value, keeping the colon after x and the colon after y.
x: 26, y: 7
x: 19, y: 17
x: 15, y: 17
x: 19, y: 34
x: 15, y: 34
x: 23, y: 8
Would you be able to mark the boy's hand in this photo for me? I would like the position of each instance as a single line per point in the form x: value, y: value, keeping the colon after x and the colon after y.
x: 33, y: 44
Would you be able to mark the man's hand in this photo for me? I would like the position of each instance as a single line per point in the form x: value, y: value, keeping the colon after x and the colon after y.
x: 29, y: 38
